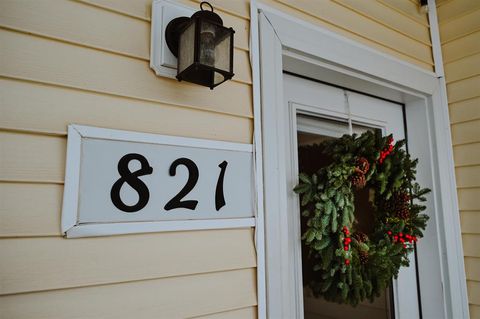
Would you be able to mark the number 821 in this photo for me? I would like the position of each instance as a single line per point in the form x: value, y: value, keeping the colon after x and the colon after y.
x: 132, y: 179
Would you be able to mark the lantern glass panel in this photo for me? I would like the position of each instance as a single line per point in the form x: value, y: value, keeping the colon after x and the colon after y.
x: 186, y: 48
x: 215, y: 46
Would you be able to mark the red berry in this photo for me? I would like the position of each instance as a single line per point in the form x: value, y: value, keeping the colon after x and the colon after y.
x: 347, y: 262
x: 404, y: 246
x: 389, y: 232
x: 345, y: 248
x: 395, y: 237
x: 400, y: 234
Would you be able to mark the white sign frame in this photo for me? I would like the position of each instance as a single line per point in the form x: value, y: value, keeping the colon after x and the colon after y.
x: 70, y: 224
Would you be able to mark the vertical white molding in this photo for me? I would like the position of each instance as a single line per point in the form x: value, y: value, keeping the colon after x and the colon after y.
x: 456, y: 287
x: 258, y: 159
x: 72, y: 179
x: 435, y: 37
x: 280, y: 303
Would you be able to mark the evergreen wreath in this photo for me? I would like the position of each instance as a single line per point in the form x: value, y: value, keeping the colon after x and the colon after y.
x: 349, y: 265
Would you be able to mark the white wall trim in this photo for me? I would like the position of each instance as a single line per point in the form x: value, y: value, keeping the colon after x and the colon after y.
x: 453, y: 240
x: 421, y: 91
x: 258, y: 160
x: 129, y: 136
x: 333, y: 48
x: 71, y: 225
x: 72, y: 180
x: 108, y: 229
x: 435, y: 37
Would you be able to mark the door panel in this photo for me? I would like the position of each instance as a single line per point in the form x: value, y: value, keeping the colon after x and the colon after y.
x: 323, y: 110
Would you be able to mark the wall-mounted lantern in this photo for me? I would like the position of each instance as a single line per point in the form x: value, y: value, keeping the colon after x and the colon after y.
x: 203, y: 47
x: 424, y: 6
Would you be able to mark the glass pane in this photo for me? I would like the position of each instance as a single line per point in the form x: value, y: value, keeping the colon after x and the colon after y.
x: 218, y: 78
x: 222, y: 52
x: 311, y: 133
x: 185, y: 48
x: 215, y: 46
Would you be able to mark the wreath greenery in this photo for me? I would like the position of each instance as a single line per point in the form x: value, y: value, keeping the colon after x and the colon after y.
x: 349, y: 265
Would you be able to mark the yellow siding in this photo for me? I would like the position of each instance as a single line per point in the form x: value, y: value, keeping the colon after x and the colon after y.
x: 87, y: 62
x: 166, y: 298
x: 393, y: 27
x: 63, y: 264
x: 459, y: 24
x: 244, y: 313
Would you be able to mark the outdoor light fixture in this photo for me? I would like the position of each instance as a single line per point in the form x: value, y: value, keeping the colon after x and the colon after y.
x: 424, y: 6
x: 203, y: 47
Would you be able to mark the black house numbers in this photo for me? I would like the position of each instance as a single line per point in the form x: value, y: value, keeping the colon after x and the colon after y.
x: 133, y: 180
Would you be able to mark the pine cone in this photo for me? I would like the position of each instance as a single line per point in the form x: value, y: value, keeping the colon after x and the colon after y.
x: 362, y: 166
x: 401, y: 199
x: 398, y: 205
x: 358, y: 180
x: 360, y: 237
x: 363, y: 256
x: 403, y: 213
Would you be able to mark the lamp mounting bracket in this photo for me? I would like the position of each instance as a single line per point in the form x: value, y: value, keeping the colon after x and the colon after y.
x: 172, y: 33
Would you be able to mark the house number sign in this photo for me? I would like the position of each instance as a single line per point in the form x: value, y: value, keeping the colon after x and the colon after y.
x: 127, y: 182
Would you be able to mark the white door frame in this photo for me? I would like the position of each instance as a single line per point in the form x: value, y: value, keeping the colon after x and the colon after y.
x: 281, y: 42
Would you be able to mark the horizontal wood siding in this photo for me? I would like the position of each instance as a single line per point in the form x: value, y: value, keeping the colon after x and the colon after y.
x: 61, y: 264
x: 48, y: 109
x: 244, y: 313
x: 177, y: 297
x: 87, y: 62
x: 459, y: 24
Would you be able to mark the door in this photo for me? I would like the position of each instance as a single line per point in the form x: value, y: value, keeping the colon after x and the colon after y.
x: 318, y: 112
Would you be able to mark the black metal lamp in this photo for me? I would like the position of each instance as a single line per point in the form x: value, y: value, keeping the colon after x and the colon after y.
x: 203, y: 47
x: 424, y: 6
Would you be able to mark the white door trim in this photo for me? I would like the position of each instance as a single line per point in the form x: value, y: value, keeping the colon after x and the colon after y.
x: 282, y: 42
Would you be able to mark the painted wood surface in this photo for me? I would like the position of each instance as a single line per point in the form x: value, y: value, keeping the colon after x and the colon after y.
x: 459, y: 24
x: 465, y: 110
x: 37, y: 216
x: 48, y: 109
x: 124, y: 35
x: 43, y: 60
x: 32, y: 157
x: 66, y: 62
x: 176, y: 297
x: 36, y: 264
x: 244, y: 313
